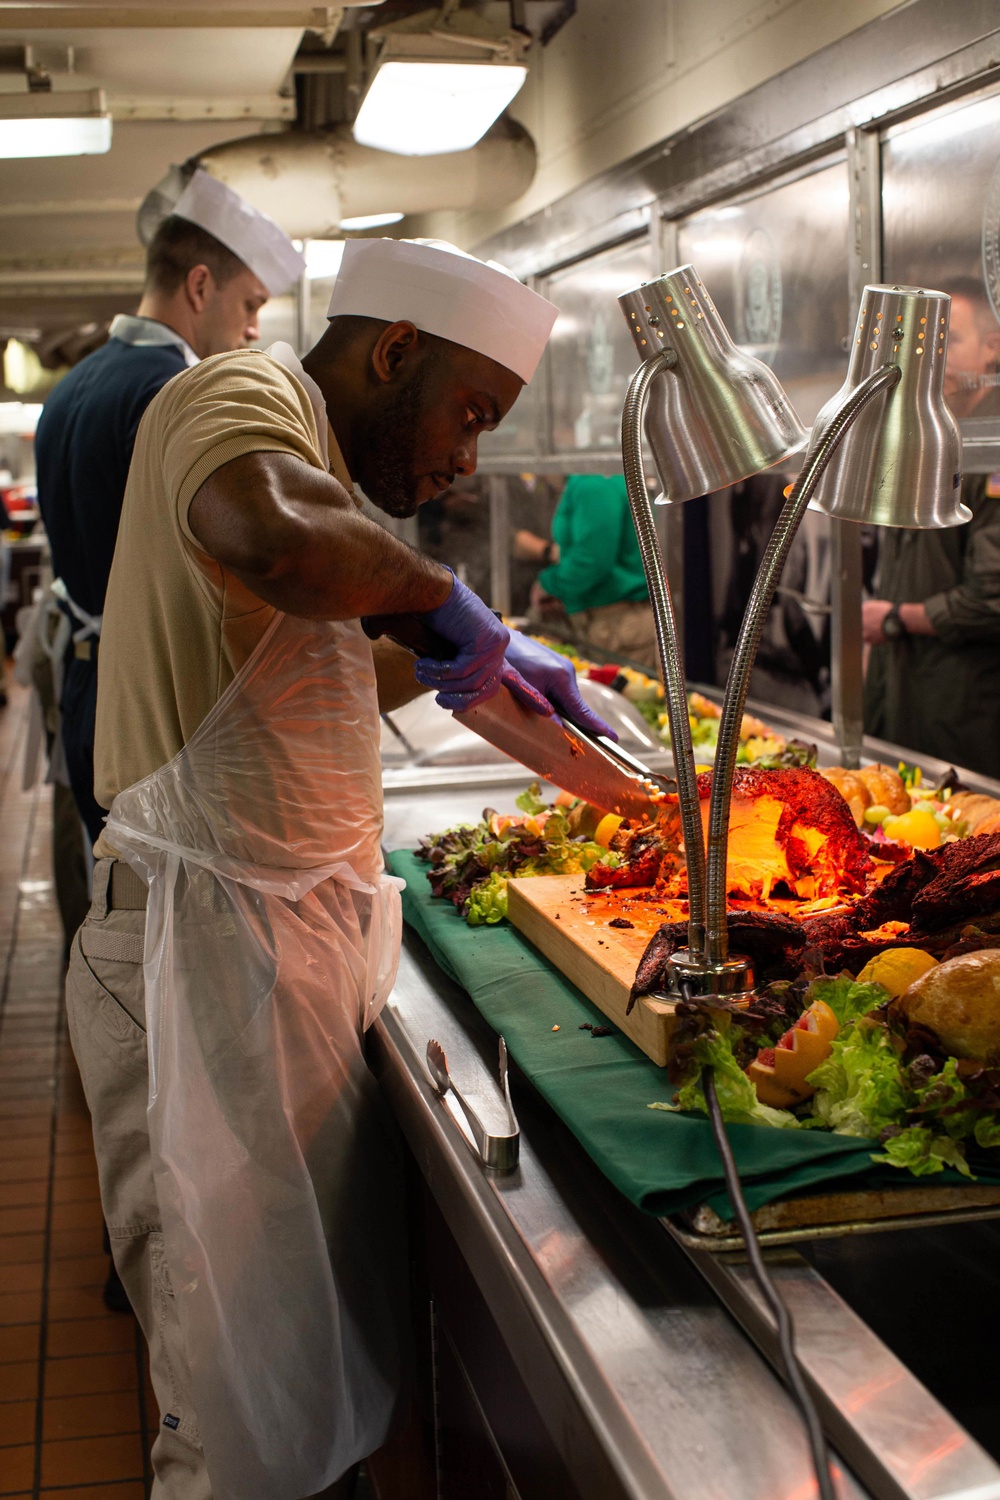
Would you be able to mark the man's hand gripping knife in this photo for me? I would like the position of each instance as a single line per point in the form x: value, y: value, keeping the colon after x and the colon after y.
x: 489, y: 655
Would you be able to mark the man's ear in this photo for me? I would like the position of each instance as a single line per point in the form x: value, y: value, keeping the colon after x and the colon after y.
x: 199, y: 283
x: 394, y: 347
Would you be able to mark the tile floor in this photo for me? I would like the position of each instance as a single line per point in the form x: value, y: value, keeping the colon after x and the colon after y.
x: 75, y: 1403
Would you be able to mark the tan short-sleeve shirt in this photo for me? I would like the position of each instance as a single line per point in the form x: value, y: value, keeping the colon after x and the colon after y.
x: 177, y: 625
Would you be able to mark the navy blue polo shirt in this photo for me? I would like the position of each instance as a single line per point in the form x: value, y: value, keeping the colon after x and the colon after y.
x: 83, y: 448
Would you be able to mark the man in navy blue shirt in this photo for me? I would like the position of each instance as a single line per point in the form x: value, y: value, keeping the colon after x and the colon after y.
x: 211, y: 265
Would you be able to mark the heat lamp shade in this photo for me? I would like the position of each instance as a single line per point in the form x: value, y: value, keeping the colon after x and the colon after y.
x: 900, y: 464
x: 428, y: 108
x: 718, y: 415
x: 54, y: 124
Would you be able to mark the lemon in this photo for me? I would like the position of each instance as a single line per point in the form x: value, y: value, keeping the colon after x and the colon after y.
x: 897, y: 968
x: 607, y: 828
x: 916, y: 828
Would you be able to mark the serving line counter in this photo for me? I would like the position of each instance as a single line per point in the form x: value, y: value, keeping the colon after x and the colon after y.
x: 580, y: 1348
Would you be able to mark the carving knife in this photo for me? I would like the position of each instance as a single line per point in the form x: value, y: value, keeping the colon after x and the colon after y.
x: 588, y: 766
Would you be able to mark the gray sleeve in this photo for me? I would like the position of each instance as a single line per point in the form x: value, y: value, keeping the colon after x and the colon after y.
x: 971, y: 610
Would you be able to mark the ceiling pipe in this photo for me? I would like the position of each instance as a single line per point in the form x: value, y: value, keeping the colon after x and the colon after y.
x: 309, y: 180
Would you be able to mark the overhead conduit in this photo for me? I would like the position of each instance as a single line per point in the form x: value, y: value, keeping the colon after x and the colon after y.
x: 309, y: 180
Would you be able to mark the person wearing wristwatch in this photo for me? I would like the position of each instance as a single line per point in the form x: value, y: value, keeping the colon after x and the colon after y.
x: 932, y: 635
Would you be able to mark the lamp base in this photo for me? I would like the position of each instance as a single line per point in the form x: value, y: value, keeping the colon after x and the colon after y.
x: 692, y: 978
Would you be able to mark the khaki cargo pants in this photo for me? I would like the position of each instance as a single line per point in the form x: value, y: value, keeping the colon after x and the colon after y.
x: 624, y: 629
x: 106, y: 1008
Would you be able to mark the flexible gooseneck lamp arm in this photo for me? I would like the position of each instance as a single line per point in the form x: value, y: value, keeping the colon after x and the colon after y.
x: 668, y: 643
x: 768, y: 576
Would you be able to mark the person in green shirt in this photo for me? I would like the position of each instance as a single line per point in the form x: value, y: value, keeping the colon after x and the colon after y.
x: 594, y: 568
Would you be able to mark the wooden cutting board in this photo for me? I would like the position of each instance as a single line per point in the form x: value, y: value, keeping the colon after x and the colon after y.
x: 573, y: 932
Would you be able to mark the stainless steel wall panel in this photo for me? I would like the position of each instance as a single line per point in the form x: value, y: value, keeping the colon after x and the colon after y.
x: 776, y: 264
x: 591, y: 356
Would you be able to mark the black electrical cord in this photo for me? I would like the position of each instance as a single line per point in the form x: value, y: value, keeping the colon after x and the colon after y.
x: 782, y: 1317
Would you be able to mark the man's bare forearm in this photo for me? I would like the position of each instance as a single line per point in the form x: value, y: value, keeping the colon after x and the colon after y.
x: 294, y: 536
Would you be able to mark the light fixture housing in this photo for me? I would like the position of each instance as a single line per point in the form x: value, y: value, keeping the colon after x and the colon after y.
x: 54, y: 124
x: 323, y: 258
x: 436, y: 90
x: 901, y: 463
x: 717, y: 415
x: 370, y: 221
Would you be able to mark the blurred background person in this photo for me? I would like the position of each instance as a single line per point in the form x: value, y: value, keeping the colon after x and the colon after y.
x: 593, y: 567
x: 933, y: 629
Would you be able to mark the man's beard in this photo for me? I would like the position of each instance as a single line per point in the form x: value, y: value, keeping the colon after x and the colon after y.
x: 386, y: 449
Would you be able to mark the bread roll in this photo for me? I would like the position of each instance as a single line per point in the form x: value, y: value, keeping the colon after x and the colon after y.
x: 885, y: 787
x: 959, y: 1001
x: 852, y: 789
x: 974, y: 808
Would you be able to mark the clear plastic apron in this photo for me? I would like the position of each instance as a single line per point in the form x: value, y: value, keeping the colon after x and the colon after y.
x: 272, y: 938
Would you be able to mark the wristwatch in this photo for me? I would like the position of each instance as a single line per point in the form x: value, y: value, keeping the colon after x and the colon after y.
x: 892, y: 625
x: 547, y: 554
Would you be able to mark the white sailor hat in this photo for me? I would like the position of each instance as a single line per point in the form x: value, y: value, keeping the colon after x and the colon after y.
x: 251, y: 235
x: 442, y: 290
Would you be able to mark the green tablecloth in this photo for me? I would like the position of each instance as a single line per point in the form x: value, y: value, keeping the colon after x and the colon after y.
x: 601, y: 1086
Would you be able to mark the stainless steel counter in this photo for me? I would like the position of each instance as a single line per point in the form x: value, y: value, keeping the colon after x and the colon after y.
x: 641, y: 1359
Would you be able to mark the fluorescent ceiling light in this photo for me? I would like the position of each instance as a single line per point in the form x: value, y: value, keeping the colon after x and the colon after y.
x: 54, y: 124
x: 370, y: 221
x: 428, y: 108
x: 323, y: 258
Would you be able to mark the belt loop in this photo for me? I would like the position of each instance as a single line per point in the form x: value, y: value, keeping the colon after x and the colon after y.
x: 102, y: 880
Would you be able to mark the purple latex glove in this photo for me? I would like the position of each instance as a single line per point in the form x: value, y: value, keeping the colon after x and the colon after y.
x: 532, y: 669
x: 475, y: 672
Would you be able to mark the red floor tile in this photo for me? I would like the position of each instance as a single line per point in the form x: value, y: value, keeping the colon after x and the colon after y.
x: 17, y: 1424
x: 26, y: 1147
x: 21, y: 1220
x: 28, y: 1168
x: 17, y: 1472
x: 82, y: 1189
x: 70, y: 1244
x: 90, y: 1374
x: 90, y: 1416
x: 109, y: 1334
x: 19, y: 1382
x: 51, y: 1260
x: 26, y: 1277
x: 23, y: 1194
x: 81, y: 1270
x: 77, y: 1302
x: 18, y: 1308
x: 19, y: 1343
x: 18, y: 1248
x: 90, y: 1460
x: 127, y: 1491
x: 80, y: 1164
x: 74, y: 1215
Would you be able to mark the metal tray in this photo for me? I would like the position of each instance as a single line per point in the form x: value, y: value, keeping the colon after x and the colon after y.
x: 833, y: 1215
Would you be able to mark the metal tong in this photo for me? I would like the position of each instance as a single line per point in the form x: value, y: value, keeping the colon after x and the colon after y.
x: 497, y: 1151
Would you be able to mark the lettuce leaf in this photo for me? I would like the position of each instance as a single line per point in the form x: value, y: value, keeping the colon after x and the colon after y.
x: 846, y: 997
x: 487, y: 903
x: 861, y: 1088
x: 734, y: 1090
x: 531, y: 801
x: 944, y: 1102
x: 921, y: 1152
x: 987, y: 1132
x: 470, y: 865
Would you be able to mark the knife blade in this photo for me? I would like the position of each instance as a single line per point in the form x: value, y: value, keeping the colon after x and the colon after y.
x: 593, y: 768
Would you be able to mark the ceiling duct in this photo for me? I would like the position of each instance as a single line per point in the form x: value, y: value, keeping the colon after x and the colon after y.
x: 310, y: 180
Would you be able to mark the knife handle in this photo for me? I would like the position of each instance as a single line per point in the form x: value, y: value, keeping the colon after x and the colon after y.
x: 412, y: 633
